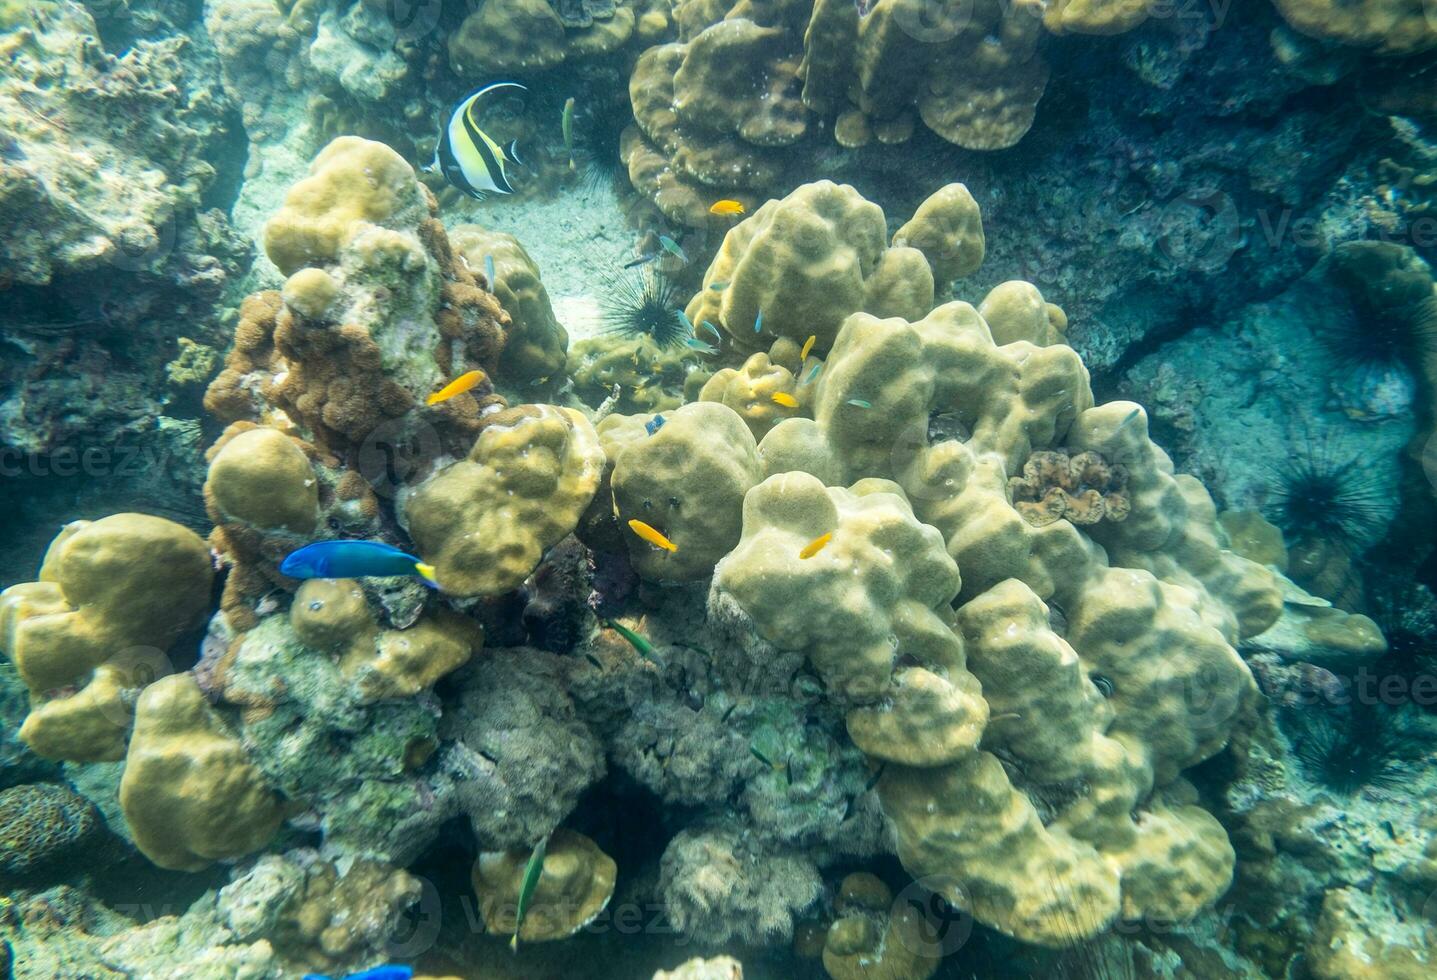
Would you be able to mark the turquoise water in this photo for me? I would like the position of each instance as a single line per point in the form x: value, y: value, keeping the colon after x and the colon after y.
x: 635, y: 488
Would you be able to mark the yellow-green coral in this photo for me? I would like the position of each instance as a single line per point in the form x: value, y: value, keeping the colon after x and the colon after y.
x: 356, y: 188
x: 805, y: 263
x: 575, y: 886
x: 688, y: 481
x: 485, y: 521
x: 113, y: 595
x: 928, y: 421
x: 189, y: 793
x: 536, y: 342
x: 333, y: 616
x: 263, y: 479
x: 1392, y: 27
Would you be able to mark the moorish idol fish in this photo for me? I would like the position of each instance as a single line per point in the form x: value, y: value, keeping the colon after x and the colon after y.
x: 467, y: 157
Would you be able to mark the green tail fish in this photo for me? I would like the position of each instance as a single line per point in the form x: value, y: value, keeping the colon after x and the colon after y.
x: 568, y: 125
x: 532, y: 872
x: 645, y: 648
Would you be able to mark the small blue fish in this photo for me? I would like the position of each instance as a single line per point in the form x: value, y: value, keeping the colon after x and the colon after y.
x: 758, y: 322
x: 684, y: 319
x: 860, y: 403
x: 713, y: 330
x: 376, y: 973
x: 812, y: 373
x: 655, y: 424
x: 489, y: 270
x: 698, y: 345
x: 644, y: 259
x: 672, y: 247
x: 354, y: 559
x: 718, y: 287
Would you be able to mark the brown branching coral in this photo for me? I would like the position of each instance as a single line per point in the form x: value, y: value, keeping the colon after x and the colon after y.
x: 1083, y: 488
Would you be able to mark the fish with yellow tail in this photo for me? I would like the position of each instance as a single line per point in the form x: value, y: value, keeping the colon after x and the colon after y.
x: 466, y: 155
x: 651, y: 535
x: 726, y: 207
x: 458, y: 386
x: 533, y: 871
x: 807, y: 346
x: 785, y: 399
x: 354, y: 559
x: 816, y: 545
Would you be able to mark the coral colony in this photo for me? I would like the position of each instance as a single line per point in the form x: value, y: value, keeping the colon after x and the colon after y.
x: 650, y: 488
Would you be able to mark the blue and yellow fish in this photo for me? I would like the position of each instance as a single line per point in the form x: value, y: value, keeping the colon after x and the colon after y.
x: 354, y: 559
x: 375, y: 973
x: 467, y: 157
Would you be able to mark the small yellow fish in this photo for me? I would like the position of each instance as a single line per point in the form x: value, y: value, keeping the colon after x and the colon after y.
x: 726, y: 206
x: 652, y: 536
x: 458, y: 386
x: 807, y: 346
x: 785, y: 399
x: 816, y: 545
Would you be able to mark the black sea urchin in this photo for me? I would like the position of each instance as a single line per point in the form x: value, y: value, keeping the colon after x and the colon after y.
x: 596, y: 143
x: 644, y: 304
x: 1325, y: 495
x: 1393, y: 320
x: 1348, y: 750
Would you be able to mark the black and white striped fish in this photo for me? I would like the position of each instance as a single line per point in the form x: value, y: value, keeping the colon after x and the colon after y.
x: 467, y: 157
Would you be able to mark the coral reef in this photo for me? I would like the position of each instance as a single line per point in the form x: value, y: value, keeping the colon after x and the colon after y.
x: 822, y: 582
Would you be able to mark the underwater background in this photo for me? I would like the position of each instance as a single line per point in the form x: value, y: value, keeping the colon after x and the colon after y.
x: 667, y: 489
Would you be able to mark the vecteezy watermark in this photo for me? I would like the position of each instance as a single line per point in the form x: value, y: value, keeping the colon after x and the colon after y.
x: 140, y: 247
x: 412, y: 19
x: 1201, y: 230
x: 123, y: 461
x: 420, y: 929
x: 1279, y: 227
x: 938, y: 921
x: 1365, y: 687
x: 395, y: 452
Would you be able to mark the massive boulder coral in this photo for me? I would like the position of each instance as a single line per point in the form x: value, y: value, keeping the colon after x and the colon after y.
x: 575, y: 884
x: 485, y: 521
x: 1390, y: 27
x: 1159, y: 632
x: 112, y: 596
x: 724, y: 111
x: 190, y: 794
x: 798, y: 266
x: 536, y: 344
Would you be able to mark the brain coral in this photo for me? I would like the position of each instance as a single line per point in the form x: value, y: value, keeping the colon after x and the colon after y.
x: 41, y: 823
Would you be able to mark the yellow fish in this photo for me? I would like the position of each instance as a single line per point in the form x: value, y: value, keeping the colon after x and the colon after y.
x: 458, y: 386
x: 807, y: 346
x: 652, y: 536
x: 785, y: 399
x: 816, y: 545
x: 726, y: 206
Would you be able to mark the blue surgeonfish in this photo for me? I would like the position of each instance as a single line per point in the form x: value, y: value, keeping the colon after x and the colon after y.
x: 467, y: 157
